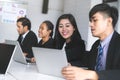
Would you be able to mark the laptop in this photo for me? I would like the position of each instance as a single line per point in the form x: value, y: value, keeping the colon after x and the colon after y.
x: 50, y: 61
x: 18, y: 56
x: 6, y: 54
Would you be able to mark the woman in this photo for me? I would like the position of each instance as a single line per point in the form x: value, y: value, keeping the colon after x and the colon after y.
x: 67, y: 32
x: 45, y: 32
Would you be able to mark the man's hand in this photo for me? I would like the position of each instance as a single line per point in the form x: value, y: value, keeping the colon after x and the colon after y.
x: 77, y: 73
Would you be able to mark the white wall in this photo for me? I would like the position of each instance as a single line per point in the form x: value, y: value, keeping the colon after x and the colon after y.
x: 118, y: 24
x: 34, y: 13
x: 79, y: 9
x: 37, y: 17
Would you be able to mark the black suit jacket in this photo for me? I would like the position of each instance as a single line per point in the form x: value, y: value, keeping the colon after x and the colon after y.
x: 48, y: 44
x: 112, y: 71
x: 74, y: 52
x: 29, y: 41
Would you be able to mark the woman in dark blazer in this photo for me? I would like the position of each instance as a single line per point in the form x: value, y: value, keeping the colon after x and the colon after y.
x: 45, y: 32
x: 67, y: 33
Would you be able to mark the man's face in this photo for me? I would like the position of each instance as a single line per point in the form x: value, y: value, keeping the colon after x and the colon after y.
x: 20, y: 28
x: 99, y: 25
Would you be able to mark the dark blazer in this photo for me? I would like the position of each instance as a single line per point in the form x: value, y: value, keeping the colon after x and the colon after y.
x: 48, y: 44
x: 74, y: 51
x: 29, y: 41
x: 112, y: 71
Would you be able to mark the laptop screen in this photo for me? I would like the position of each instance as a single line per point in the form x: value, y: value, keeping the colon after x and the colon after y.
x: 18, y: 56
x: 50, y: 61
x: 6, y: 52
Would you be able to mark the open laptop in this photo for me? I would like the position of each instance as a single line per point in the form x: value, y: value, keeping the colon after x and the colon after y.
x: 50, y: 61
x: 18, y: 56
x: 6, y: 54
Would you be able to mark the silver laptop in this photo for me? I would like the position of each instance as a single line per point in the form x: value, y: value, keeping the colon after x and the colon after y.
x: 50, y: 61
x: 18, y: 56
x: 6, y: 54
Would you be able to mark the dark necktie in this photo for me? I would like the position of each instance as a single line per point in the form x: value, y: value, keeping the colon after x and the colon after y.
x: 21, y: 39
x: 99, y: 64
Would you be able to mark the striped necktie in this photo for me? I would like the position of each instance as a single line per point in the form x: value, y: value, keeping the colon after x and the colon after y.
x: 99, y: 64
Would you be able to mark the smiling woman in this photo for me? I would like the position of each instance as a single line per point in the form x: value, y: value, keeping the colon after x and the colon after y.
x: 66, y: 33
x: 105, y: 1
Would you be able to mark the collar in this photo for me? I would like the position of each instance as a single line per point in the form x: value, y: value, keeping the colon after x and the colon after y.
x: 25, y: 34
x: 106, y: 40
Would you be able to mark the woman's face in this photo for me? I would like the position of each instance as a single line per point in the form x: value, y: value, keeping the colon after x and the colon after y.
x: 43, y: 31
x: 65, y: 28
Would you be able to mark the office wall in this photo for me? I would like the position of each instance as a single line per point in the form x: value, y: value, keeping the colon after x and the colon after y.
x: 9, y: 11
x: 34, y: 13
x: 80, y: 9
x: 55, y: 9
x: 118, y: 24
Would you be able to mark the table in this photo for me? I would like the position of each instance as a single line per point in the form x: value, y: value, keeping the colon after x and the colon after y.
x: 19, y: 71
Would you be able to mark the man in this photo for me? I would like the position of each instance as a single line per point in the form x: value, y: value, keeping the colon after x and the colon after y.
x: 27, y: 38
x: 103, y: 19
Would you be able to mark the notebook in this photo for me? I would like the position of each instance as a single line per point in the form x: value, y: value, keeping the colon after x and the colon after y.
x: 50, y: 61
x: 18, y: 56
x: 6, y: 54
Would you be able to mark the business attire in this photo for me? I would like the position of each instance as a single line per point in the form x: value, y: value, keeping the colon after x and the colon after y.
x: 48, y: 44
x: 111, y: 69
x: 30, y: 40
x: 74, y: 52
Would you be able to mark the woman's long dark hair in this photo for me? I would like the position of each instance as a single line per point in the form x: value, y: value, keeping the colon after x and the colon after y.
x: 59, y: 40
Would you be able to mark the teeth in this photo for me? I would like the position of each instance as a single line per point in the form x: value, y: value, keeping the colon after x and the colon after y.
x: 64, y: 33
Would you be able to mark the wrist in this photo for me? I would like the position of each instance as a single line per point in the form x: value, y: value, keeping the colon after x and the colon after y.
x: 92, y: 75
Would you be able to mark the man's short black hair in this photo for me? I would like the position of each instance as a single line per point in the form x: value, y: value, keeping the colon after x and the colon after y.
x: 110, y: 11
x: 25, y: 22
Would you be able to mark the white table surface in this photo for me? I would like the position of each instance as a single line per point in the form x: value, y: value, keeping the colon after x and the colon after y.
x: 7, y: 77
x: 20, y: 71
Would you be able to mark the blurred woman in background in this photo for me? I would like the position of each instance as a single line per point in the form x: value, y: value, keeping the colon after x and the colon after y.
x: 45, y: 32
